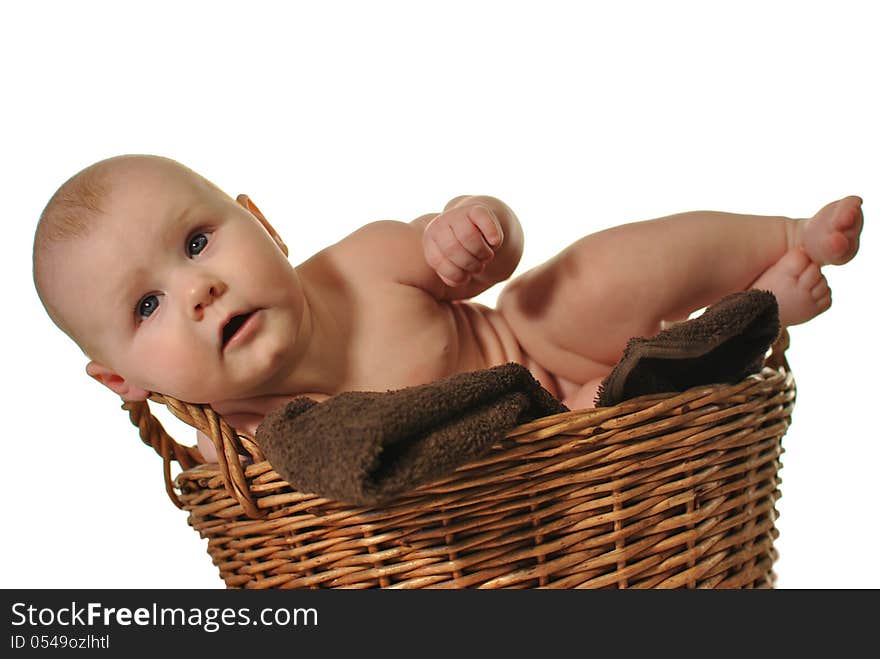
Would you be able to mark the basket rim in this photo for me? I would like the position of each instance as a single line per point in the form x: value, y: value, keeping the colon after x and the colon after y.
x: 230, y: 444
x: 563, y: 433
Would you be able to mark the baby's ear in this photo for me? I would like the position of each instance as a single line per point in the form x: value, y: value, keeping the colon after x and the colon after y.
x: 115, y: 382
x: 250, y: 206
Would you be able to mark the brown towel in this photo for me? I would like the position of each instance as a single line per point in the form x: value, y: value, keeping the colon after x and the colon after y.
x: 724, y: 344
x: 365, y: 447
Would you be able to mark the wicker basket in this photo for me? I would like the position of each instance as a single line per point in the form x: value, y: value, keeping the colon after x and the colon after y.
x: 661, y: 491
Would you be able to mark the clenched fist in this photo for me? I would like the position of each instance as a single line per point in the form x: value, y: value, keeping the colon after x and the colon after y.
x: 461, y: 241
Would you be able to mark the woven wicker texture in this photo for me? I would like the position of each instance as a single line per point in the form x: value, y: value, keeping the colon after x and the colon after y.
x: 662, y: 491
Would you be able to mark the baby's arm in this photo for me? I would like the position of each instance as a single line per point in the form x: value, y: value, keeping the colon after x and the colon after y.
x: 474, y: 243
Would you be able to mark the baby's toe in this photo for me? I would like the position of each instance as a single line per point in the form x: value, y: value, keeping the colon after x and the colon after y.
x: 809, y: 276
x: 850, y: 216
x: 839, y: 247
x: 794, y: 262
x: 820, y: 290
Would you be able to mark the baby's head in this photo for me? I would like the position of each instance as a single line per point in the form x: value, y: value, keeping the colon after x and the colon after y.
x: 167, y: 283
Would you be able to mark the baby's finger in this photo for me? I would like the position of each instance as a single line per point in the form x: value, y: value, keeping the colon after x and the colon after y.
x: 449, y: 272
x: 470, y: 237
x: 457, y: 279
x: 488, y: 225
x: 452, y: 249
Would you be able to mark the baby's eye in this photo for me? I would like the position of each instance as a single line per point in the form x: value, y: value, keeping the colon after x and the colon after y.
x: 147, y: 306
x: 196, y: 244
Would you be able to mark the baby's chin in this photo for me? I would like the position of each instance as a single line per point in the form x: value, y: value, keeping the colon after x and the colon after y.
x: 196, y: 395
x: 208, y: 390
x: 212, y: 397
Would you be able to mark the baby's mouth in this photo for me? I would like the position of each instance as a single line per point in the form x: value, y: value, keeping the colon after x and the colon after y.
x: 232, y: 326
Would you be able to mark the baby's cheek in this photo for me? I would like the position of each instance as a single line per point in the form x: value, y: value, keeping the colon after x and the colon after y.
x: 180, y: 375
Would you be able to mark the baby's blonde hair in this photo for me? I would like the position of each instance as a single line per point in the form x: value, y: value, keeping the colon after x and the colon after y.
x: 70, y: 214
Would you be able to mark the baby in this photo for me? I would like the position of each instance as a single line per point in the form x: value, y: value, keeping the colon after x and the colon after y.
x: 170, y: 286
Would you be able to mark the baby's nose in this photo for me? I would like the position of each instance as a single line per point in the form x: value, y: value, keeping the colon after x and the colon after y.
x: 202, y: 293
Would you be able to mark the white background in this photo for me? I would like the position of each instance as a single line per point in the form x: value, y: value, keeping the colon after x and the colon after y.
x: 334, y: 114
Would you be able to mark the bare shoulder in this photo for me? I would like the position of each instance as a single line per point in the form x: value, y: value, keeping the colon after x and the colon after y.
x: 385, y: 251
x: 350, y: 257
x: 375, y: 242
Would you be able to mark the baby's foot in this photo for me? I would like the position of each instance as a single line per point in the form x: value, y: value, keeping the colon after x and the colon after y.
x: 799, y: 286
x: 831, y: 236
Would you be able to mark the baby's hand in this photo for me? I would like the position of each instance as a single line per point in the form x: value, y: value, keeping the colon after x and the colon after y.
x: 461, y: 241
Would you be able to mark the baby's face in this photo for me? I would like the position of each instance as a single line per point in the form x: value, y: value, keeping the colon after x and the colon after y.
x: 181, y: 291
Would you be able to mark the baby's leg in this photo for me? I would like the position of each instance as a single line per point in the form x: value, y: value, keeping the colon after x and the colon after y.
x: 575, y: 313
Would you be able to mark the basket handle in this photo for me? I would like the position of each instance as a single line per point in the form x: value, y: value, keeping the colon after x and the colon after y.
x: 227, y: 442
x: 777, y: 359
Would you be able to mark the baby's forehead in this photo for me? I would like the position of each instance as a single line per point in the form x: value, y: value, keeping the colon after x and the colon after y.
x: 150, y: 198
x: 141, y: 210
x: 155, y: 176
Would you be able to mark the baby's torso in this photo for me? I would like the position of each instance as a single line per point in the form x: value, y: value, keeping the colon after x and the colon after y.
x: 393, y: 336
x: 401, y: 336
x: 408, y: 338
